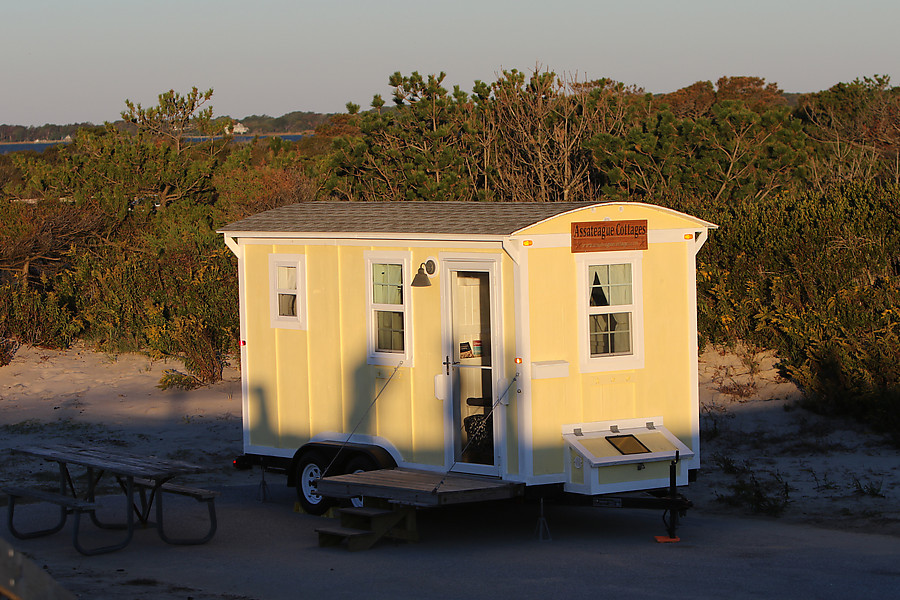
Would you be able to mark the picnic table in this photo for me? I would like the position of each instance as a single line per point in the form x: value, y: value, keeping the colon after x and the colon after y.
x: 143, y: 480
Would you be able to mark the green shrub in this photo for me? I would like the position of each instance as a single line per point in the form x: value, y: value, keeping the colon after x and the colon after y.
x: 38, y: 316
x: 816, y: 277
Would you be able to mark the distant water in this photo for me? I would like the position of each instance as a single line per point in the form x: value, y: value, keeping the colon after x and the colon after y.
x: 41, y: 146
x: 34, y: 147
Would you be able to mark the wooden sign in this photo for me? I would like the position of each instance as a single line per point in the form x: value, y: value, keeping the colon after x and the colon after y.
x: 605, y: 236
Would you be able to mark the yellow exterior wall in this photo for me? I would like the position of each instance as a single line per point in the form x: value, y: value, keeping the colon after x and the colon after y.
x: 662, y: 387
x: 287, y: 406
x: 305, y: 382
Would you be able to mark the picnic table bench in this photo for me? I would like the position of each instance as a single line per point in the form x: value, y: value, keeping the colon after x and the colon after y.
x: 147, y: 477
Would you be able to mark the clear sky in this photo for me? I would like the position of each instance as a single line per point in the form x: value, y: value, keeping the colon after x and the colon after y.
x: 66, y: 61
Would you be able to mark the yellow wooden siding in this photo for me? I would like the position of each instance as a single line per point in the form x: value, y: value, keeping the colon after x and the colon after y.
x: 262, y: 402
x: 661, y: 388
x: 287, y: 406
x: 326, y: 341
x: 292, y: 389
x: 426, y: 412
x: 667, y: 339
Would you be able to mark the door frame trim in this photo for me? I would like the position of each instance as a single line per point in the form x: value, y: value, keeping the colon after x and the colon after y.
x: 489, y: 263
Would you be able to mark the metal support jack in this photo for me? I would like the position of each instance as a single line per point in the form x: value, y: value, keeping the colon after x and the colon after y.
x: 673, y: 504
x: 543, y: 529
x: 262, y: 491
x: 672, y: 511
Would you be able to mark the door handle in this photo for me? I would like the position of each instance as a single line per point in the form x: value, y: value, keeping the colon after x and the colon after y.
x: 449, y: 363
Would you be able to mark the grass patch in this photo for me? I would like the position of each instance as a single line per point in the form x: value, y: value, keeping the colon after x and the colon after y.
x: 714, y: 416
x: 769, y: 495
x: 173, y: 379
x: 67, y: 427
x: 7, y: 351
x: 868, y: 488
x: 738, y: 391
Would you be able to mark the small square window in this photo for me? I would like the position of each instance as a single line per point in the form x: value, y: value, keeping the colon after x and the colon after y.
x: 287, y: 280
x: 287, y: 290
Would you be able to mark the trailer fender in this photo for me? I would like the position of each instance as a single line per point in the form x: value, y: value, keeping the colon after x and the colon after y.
x: 340, y: 455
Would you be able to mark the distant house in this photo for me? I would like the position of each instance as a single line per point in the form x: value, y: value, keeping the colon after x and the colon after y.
x: 238, y: 129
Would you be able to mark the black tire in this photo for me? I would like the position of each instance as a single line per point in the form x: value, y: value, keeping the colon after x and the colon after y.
x: 358, y: 464
x: 309, y: 471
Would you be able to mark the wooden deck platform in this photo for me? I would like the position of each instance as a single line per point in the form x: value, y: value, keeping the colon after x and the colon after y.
x: 419, y: 488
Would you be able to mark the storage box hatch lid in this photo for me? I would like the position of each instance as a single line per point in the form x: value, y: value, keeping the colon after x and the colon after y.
x: 623, y: 442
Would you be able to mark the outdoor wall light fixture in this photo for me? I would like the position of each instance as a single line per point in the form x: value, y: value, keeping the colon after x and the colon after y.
x: 425, y: 269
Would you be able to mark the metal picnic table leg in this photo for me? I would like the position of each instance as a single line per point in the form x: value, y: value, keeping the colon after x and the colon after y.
x: 63, y: 512
x: 129, y: 524
x: 22, y: 535
x: 91, y: 495
x: 210, y: 504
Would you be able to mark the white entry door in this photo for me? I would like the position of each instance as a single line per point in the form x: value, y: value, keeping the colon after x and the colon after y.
x: 470, y: 335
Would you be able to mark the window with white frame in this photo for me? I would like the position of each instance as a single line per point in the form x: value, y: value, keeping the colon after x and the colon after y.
x: 610, y: 311
x: 388, y: 307
x: 287, y: 291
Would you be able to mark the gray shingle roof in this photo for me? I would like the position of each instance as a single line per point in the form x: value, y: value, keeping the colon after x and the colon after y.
x: 446, y: 218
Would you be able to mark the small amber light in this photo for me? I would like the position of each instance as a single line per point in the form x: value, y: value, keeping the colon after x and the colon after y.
x: 518, y: 361
x: 527, y: 243
x: 689, y: 236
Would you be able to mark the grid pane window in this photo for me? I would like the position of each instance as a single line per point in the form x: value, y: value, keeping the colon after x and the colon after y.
x: 287, y: 281
x: 388, y: 307
x: 610, y: 290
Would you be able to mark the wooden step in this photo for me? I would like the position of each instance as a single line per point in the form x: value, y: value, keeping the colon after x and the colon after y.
x: 397, y: 523
x: 357, y: 539
x: 368, y: 512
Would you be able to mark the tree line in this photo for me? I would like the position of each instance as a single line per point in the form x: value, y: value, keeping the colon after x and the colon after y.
x: 292, y: 122
x: 118, y: 246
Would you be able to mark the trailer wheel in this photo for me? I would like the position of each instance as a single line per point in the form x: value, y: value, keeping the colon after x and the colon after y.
x: 359, y: 464
x: 309, y: 471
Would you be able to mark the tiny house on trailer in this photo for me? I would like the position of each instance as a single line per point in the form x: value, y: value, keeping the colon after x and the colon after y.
x: 530, y: 343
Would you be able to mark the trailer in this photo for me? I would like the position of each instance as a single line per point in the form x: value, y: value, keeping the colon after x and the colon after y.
x: 530, y: 346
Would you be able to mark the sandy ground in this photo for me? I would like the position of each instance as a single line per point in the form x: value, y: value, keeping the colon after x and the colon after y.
x: 813, y: 503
